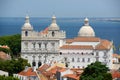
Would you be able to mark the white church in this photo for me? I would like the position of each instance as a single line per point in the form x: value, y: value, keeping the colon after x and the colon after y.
x: 50, y: 46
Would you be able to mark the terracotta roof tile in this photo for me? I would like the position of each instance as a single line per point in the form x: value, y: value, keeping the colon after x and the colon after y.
x: 76, y: 47
x: 87, y: 39
x: 104, y: 44
x: 73, y: 76
x: 56, y: 68
x: 45, y: 31
x: 115, y: 55
x: 43, y: 67
x: 115, y: 74
x: 28, y: 72
x: 69, y: 40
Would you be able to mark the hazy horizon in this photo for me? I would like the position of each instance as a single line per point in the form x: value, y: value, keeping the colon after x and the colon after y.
x: 60, y: 8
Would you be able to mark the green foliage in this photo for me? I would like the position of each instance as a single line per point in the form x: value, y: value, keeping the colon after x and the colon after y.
x: 8, y: 78
x: 96, y: 71
x: 5, y: 50
x: 13, y: 66
x: 14, y: 42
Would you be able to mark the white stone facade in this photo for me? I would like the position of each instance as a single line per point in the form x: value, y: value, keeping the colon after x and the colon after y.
x: 86, y: 48
x: 51, y: 46
x: 38, y: 46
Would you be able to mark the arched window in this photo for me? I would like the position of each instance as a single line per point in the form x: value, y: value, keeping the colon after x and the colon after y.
x: 66, y: 64
x: 26, y: 33
x: 92, y: 53
x: 39, y: 64
x: 60, y: 53
x: 53, y: 33
x: 33, y: 63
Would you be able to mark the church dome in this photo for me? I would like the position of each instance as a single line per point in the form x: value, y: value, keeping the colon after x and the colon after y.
x: 86, y: 30
x: 27, y: 25
x: 53, y: 25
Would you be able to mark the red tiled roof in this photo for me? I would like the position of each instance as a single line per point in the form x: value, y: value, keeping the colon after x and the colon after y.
x: 73, y: 76
x: 87, y: 39
x: 115, y: 74
x: 83, y: 39
x: 115, y: 55
x: 45, y: 31
x: 43, y: 67
x: 69, y: 40
x: 56, y: 68
x: 76, y: 47
x: 104, y: 44
x: 28, y: 72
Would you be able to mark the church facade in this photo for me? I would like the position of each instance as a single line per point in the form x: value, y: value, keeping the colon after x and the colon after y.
x: 51, y: 45
x: 40, y: 47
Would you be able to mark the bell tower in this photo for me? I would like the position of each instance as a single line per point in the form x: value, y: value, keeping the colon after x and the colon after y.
x: 27, y: 28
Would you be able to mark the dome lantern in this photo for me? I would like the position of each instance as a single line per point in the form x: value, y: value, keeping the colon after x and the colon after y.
x: 86, y: 22
x: 27, y: 19
x: 53, y: 25
x: 53, y: 19
x: 27, y: 25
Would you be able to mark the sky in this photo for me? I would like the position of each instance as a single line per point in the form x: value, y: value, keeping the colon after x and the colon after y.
x: 60, y: 8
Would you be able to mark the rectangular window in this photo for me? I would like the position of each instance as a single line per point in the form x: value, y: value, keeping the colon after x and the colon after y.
x: 53, y: 46
x: 45, y: 46
x: 97, y: 54
x: 88, y: 59
x: 78, y: 60
x: 34, y: 45
x: 105, y: 54
x: 83, y: 60
x: 39, y: 45
x: 97, y: 58
x: 26, y: 45
x: 72, y: 59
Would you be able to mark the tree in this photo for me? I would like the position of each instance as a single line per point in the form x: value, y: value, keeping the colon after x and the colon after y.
x: 13, y: 41
x: 13, y: 66
x: 5, y: 50
x: 8, y: 78
x: 96, y: 71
